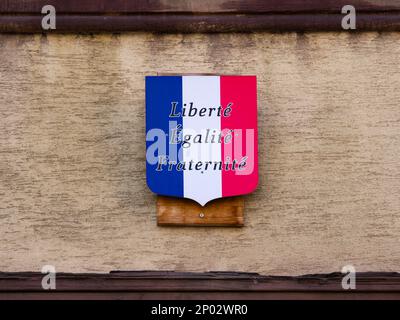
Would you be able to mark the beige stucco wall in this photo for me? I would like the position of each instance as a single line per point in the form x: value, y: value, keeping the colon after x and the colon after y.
x: 72, y: 165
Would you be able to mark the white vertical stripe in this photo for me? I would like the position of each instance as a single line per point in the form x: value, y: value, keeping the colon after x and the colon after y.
x: 204, y: 92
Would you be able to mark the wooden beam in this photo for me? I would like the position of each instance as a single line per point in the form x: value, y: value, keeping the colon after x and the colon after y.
x: 172, y: 23
x: 209, y: 285
x: 186, y: 16
x: 195, y: 6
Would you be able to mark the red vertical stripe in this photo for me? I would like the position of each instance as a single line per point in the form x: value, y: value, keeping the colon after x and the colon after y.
x: 241, y: 91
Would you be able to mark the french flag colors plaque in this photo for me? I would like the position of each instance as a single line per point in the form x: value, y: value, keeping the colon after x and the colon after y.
x: 201, y: 136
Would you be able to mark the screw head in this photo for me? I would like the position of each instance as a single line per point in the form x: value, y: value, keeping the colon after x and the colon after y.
x: 201, y: 215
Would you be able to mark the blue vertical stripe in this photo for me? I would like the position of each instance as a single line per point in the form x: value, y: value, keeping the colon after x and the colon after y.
x: 161, y: 91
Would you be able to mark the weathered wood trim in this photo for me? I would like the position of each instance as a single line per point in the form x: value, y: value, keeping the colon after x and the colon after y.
x: 195, y: 6
x: 212, y: 285
x: 174, y: 23
x: 186, y: 16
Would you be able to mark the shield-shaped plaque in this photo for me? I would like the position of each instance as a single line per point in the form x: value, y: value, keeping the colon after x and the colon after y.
x: 201, y: 136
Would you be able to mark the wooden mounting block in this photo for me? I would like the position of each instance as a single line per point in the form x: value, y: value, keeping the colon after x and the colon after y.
x: 224, y: 212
